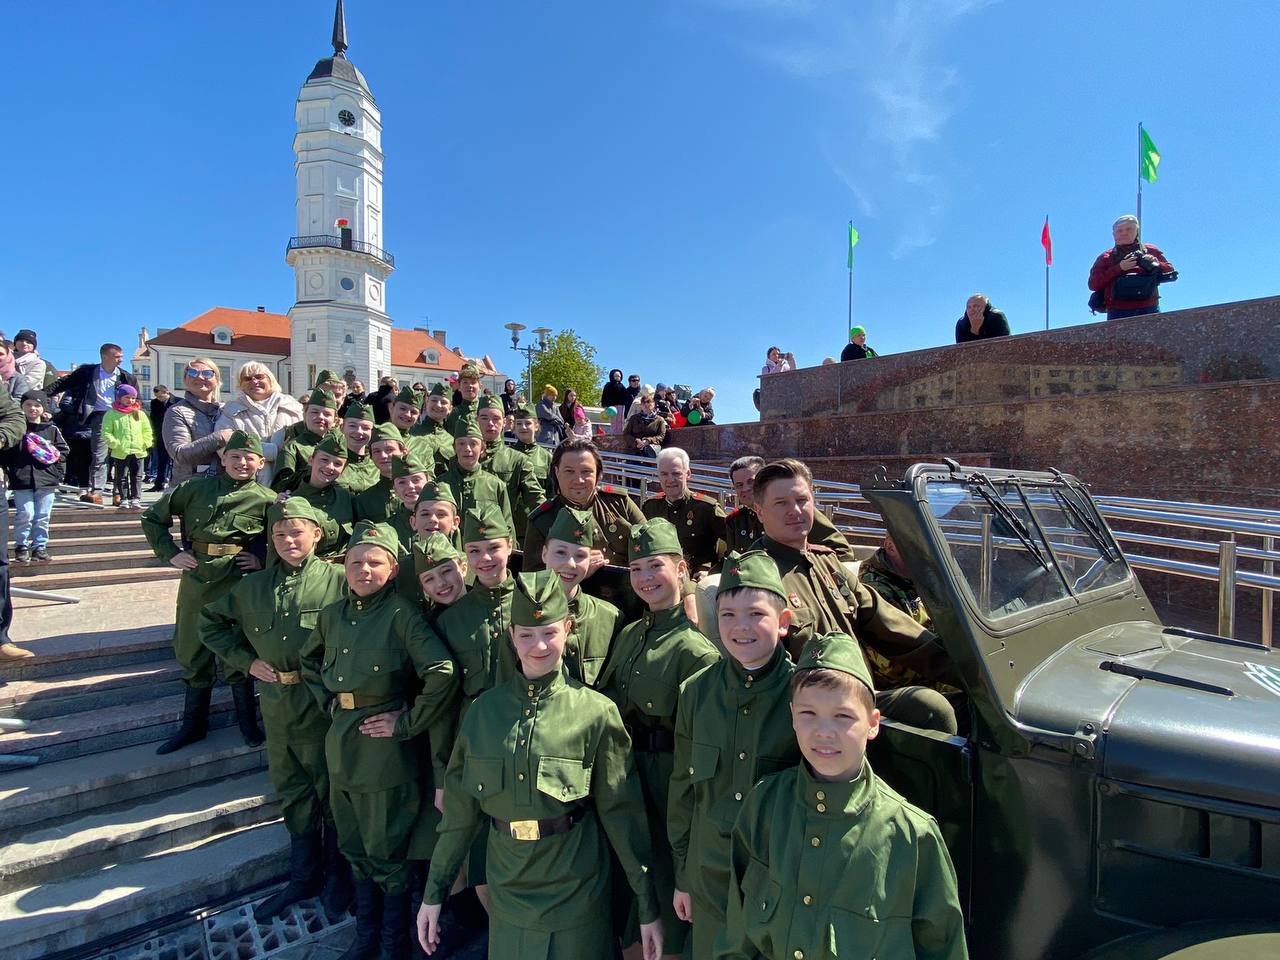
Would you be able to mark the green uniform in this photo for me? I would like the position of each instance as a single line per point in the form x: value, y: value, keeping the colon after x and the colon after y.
x: 595, y: 624
x: 699, y: 520
x: 476, y: 486
x: 649, y: 661
x: 293, y: 460
x: 877, y: 574
x: 524, y: 490
x: 538, y: 750
x: 733, y: 728
x: 824, y: 870
x: 743, y: 528
x: 476, y: 628
x: 539, y: 458
x: 339, y: 510
x: 216, y: 514
x: 357, y: 663
x: 359, y: 474
x: 432, y: 442
x: 377, y: 503
x: 268, y: 616
x: 461, y: 411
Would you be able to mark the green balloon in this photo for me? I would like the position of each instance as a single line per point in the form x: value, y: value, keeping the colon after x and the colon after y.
x: 611, y: 411
x: 695, y: 417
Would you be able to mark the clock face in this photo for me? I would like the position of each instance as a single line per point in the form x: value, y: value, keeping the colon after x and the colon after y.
x: 346, y: 118
x: 347, y: 283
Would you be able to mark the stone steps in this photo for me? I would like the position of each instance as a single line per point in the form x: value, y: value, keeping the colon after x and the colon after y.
x: 85, y: 653
x: 61, y: 581
x: 92, y: 689
x: 105, y: 543
x: 70, y: 559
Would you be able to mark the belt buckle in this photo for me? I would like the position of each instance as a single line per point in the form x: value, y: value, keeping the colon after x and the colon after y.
x: 347, y: 701
x: 525, y: 830
x: 288, y: 677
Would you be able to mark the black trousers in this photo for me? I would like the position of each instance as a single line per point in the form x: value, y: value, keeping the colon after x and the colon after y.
x: 126, y: 477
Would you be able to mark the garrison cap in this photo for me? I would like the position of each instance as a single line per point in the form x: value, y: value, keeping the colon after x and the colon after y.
x: 359, y: 411
x: 526, y: 412
x: 244, y: 441
x: 440, y: 390
x: 334, y: 444
x: 484, y: 521
x: 488, y: 403
x: 295, y: 508
x: 386, y: 431
x: 836, y: 651
x: 653, y: 538
x: 573, y: 526
x: 538, y: 600
x: 432, y: 550
x: 469, y: 371
x: 434, y: 490
x: 327, y: 376
x: 322, y: 398
x: 410, y: 396
x: 378, y: 534
x: 467, y: 427
x: 755, y: 569
x: 407, y: 466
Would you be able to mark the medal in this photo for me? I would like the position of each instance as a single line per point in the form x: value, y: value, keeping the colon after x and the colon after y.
x: 613, y: 528
x: 795, y: 600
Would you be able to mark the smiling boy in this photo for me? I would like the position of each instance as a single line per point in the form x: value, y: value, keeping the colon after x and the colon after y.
x: 594, y: 622
x: 335, y: 505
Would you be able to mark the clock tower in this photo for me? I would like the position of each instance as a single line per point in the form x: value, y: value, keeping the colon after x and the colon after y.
x: 339, y: 319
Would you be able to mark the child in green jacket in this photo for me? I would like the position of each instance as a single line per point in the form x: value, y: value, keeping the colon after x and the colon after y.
x: 129, y: 437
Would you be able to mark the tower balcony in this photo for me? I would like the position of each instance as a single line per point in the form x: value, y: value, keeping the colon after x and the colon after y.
x: 341, y: 243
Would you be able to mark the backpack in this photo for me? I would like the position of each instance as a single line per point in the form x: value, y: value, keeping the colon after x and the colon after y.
x: 40, y: 450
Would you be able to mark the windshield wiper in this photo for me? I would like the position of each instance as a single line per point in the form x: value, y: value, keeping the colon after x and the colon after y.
x: 1066, y: 495
x: 1011, y: 519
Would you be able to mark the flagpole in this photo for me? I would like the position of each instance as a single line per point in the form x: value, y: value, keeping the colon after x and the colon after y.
x: 1046, y: 280
x: 849, y: 321
x: 1139, y: 213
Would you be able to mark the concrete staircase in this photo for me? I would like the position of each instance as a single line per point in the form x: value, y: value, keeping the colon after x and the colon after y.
x: 104, y: 838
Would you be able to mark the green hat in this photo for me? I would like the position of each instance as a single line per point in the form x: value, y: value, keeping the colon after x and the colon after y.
x: 407, y: 466
x: 467, y: 427
x: 244, y: 441
x: 526, y: 412
x: 327, y: 376
x: 836, y: 651
x: 433, y: 550
x: 359, y: 411
x: 484, y: 521
x: 410, y: 396
x: 334, y: 444
x: 573, y: 526
x: 295, y: 508
x: 653, y: 538
x: 469, y: 371
x: 440, y: 390
x: 322, y: 398
x: 538, y: 600
x: 755, y: 569
x: 487, y: 403
x: 855, y: 330
x: 435, y: 490
x: 386, y: 431
x: 379, y: 534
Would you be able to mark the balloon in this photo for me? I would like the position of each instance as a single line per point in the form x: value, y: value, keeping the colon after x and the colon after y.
x: 695, y: 417
x: 611, y: 411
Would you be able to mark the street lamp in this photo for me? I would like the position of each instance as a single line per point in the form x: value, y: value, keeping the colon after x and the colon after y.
x: 529, y: 352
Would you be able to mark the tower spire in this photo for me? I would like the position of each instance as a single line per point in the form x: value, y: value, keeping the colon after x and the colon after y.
x: 339, y: 32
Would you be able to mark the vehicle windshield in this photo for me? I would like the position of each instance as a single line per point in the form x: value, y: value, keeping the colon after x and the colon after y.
x: 995, y: 530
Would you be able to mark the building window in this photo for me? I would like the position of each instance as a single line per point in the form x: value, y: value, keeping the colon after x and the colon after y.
x: 222, y: 335
x: 144, y: 372
x: 311, y: 373
x: 178, y: 369
x: 224, y: 371
x: 311, y: 336
x: 348, y: 339
x: 379, y: 343
x: 380, y: 376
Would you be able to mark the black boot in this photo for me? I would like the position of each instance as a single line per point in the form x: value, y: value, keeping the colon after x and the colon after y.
x: 304, y: 876
x: 368, y: 920
x: 195, y: 720
x: 338, y: 890
x: 247, y: 713
x: 396, y: 925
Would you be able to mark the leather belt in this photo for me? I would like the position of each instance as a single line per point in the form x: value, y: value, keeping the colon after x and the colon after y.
x: 654, y: 740
x: 358, y: 701
x: 537, y: 829
x: 216, y: 549
x: 288, y: 677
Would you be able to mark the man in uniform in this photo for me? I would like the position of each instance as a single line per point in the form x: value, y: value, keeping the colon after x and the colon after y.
x: 259, y: 628
x: 361, y: 472
x: 319, y: 416
x: 378, y: 502
x: 593, y: 622
x: 524, y: 490
x: 469, y: 393
x: 525, y: 426
x: 699, y: 520
x: 824, y: 598
x: 467, y: 480
x: 743, y: 526
x: 222, y: 520
x: 335, y: 508
x: 886, y: 573
x: 435, y: 435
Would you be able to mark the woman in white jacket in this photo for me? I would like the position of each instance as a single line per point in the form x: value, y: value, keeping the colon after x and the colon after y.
x: 262, y: 409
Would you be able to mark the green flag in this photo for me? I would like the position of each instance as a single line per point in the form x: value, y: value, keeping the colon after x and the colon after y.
x: 1149, y: 157
x: 853, y: 239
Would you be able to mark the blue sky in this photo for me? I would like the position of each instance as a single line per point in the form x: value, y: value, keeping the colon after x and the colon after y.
x: 672, y: 179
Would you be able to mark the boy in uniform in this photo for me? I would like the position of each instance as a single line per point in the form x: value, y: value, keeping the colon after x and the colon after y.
x: 733, y: 728
x: 525, y: 426
x: 378, y: 502
x: 334, y: 505
x: 468, y: 481
x: 361, y: 472
x: 222, y: 519
x: 409, y: 476
x: 437, y: 512
x: 827, y: 860
x: 469, y: 393
x: 259, y: 628
x: 319, y: 416
x: 357, y: 664
x: 431, y: 428
x: 593, y: 622
x: 442, y: 574
x: 510, y: 466
x: 649, y: 661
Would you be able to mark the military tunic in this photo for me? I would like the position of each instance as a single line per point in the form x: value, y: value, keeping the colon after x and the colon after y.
x: 649, y: 661
x: 524, y: 490
x: 538, y: 750
x: 833, y: 870
x: 293, y: 460
x: 595, y: 624
x: 362, y: 652
x: 268, y: 616
x: 213, y: 512
x: 461, y: 411
x: 339, y: 510
x: 743, y: 529
x: 377, y: 503
x: 476, y: 486
x: 733, y: 729
x: 700, y: 524
x: 432, y: 443
x: 359, y: 474
x: 539, y: 461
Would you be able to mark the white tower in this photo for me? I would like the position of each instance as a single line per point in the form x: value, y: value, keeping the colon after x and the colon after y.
x: 339, y: 321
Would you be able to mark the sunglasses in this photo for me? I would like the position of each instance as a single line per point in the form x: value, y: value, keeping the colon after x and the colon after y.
x: 195, y: 374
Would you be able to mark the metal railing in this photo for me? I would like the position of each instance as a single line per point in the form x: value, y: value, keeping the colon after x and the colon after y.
x: 1225, y: 526
x: 359, y: 246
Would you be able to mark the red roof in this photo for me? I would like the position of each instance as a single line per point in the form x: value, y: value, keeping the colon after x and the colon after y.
x: 251, y: 332
x: 407, y: 347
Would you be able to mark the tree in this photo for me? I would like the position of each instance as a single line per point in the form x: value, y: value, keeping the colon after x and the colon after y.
x: 568, y: 363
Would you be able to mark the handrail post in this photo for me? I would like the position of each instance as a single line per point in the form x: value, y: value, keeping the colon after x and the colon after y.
x: 1268, y: 598
x: 1226, y: 588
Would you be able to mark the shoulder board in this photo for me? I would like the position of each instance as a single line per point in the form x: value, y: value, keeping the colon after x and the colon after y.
x: 697, y: 494
x: 660, y: 495
x: 819, y: 548
x: 611, y: 489
x: 547, y: 505
x: 735, y: 511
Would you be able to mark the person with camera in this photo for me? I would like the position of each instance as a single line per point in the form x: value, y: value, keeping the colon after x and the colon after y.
x: 778, y: 362
x: 1126, y: 279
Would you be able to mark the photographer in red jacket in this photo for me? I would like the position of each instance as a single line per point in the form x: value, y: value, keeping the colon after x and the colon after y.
x: 1126, y: 279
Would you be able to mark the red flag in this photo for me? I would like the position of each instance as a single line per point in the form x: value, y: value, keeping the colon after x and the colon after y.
x: 1047, y: 242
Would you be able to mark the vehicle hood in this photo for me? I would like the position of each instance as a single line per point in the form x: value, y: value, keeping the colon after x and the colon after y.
x: 1207, y: 722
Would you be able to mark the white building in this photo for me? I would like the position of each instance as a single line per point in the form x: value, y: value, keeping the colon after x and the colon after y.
x: 339, y: 318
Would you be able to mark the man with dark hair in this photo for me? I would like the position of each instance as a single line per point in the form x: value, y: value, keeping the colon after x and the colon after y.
x: 744, y: 528
x: 93, y: 388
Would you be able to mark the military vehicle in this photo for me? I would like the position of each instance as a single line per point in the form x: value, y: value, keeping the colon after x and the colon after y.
x: 1115, y: 790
